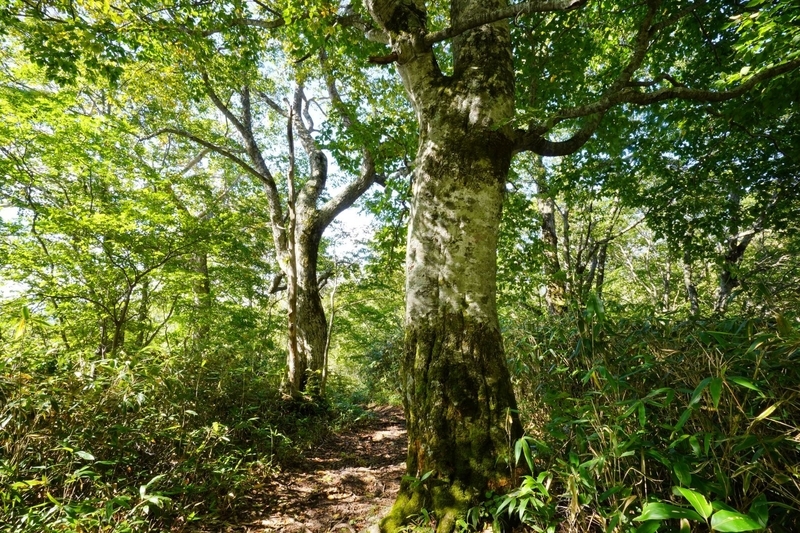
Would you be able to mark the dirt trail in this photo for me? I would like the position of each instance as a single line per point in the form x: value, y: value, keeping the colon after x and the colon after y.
x: 345, y: 485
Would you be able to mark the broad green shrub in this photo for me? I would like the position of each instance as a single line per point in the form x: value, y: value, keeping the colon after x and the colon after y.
x: 635, y: 414
x: 142, y: 442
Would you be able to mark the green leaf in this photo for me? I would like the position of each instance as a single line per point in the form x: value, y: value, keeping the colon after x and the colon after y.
x: 522, y: 506
x: 85, y: 455
x: 665, y: 511
x: 698, y: 501
x: 759, y: 510
x: 715, y: 387
x: 722, y: 506
x: 695, y: 444
x: 649, y: 527
x: 526, y: 450
x: 730, y: 521
x: 683, y: 419
x: 743, y: 382
x: 699, y: 391
x: 682, y: 472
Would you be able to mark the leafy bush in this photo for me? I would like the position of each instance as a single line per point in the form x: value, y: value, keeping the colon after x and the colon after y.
x: 636, y: 424
x: 142, y: 442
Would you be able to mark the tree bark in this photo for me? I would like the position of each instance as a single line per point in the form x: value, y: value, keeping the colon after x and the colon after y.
x: 556, y: 290
x: 457, y: 390
x: 201, y: 289
x: 688, y: 282
x: 311, y: 328
x: 729, y: 274
x: 460, y: 406
x: 600, y: 278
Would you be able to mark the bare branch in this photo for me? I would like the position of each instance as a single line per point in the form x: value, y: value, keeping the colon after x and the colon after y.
x: 383, y: 60
x: 273, y: 104
x: 221, y: 105
x: 309, y: 144
x: 277, y: 286
x: 351, y: 193
x: 641, y: 45
x: 195, y: 161
x: 210, y: 146
x: 517, y: 10
x: 323, y: 278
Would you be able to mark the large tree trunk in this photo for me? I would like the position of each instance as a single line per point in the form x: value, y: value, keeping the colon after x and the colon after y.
x: 457, y: 391
x: 311, y: 329
x: 460, y: 406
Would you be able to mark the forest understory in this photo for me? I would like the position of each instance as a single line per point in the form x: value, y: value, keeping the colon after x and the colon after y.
x: 346, y: 483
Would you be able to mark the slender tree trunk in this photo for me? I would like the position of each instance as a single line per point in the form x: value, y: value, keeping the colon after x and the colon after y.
x: 600, y: 273
x: 329, y: 333
x: 143, y: 313
x: 569, y: 282
x: 296, y: 242
x: 667, y: 285
x: 297, y: 366
x: 729, y: 275
x: 459, y: 401
x: 688, y: 282
x: 103, y: 345
x: 555, y: 277
x: 201, y: 289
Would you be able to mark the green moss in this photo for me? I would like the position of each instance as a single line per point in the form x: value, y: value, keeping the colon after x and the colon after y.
x: 408, y: 504
x: 446, y: 501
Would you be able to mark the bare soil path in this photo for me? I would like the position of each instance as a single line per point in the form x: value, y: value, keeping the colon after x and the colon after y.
x: 345, y: 485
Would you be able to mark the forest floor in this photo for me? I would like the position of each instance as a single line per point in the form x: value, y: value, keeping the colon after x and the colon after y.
x: 345, y: 485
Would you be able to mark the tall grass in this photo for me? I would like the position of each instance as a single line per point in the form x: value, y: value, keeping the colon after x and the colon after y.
x: 622, y: 412
x: 144, y: 442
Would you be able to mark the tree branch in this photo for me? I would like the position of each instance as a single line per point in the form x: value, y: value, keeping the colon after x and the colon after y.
x: 224, y: 109
x: 273, y: 104
x: 210, y: 146
x: 630, y: 95
x: 367, y: 176
x: 535, y: 141
x: 517, y: 10
x: 309, y: 144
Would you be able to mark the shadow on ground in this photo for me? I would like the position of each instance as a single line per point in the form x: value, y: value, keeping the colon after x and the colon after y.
x: 345, y: 485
